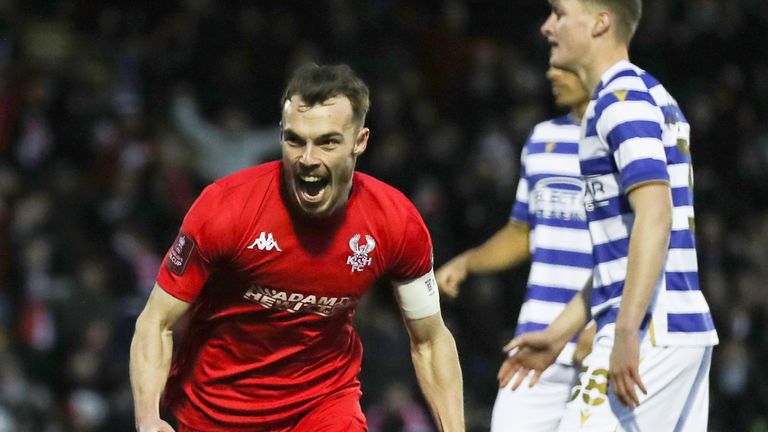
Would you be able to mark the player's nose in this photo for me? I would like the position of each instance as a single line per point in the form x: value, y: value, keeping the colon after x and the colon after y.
x: 546, y: 26
x: 309, y: 156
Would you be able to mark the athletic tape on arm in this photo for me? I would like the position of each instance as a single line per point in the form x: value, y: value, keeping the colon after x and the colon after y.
x: 418, y: 298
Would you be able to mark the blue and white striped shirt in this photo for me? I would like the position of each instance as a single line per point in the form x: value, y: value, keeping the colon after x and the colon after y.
x: 550, y: 200
x: 634, y: 133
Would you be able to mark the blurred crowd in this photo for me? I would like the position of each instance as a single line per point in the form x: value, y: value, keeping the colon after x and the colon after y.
x: 114, y: 116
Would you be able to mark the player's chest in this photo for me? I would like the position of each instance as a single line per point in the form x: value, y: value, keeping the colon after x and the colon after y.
x: 340, y: 260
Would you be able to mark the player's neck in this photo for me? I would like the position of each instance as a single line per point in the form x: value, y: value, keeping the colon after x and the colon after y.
x: 577, y: 111
x: 607, y: 57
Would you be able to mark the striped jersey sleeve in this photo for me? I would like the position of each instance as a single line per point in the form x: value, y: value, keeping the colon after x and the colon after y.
x: 520, y: 208
x: 629, y: 122
x: 634, y: 133
x: 550, y: 199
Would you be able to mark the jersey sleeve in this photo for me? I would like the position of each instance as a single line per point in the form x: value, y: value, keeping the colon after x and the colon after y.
x: 413, y: 257
x: 631, y: 124
x: 201, y: 241
x: 520, y: 208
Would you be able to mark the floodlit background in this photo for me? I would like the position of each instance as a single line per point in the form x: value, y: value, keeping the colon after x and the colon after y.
x: 114, y: 115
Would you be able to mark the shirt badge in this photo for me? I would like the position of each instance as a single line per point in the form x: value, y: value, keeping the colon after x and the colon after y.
x: 178, y: 256
x: 359, y: 258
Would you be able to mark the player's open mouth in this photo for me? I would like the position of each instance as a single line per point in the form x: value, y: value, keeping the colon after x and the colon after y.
x: 311, y: 187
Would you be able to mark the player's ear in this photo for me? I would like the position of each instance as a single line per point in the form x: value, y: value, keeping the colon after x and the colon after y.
x: 603, y: 23
x: 361, y: 141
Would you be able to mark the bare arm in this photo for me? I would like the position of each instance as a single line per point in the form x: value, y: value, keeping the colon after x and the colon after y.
x: 648, y: 244
x: 436, y: 362
x: 574, y: 317
x: 150, y: 361
x: 507, y: 248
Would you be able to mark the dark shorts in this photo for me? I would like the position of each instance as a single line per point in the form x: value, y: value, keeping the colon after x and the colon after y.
x: 339, y: 414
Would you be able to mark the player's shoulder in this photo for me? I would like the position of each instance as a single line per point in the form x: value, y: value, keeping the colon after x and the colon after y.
x: 622, y: 76
x: 388, y: 202
x: 563, y: 128
x: 252, y: 176
x: 396, y: 224
x: 246, y: 185
x: 372, y: 188
x: 553, y: 136
x: 626, y: 82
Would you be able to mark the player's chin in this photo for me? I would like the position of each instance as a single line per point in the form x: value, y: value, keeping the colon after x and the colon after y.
x: 562, y: 61
x: 555, y: 57
x: 313, y: 206
x: 565, y: 101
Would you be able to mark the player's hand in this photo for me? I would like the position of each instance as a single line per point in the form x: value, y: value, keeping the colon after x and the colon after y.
x: 623, y: 373
x: 157, y: 425
x: 450, y: 275
x: 531, y: 352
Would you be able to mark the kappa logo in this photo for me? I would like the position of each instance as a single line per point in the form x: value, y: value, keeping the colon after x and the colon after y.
x: 265, y: 241
x: 360, y: 259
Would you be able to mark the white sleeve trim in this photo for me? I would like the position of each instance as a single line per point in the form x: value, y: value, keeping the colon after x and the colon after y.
x: 418, y: 298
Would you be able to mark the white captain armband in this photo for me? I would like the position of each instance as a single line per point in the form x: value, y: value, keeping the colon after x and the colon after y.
x: 418, y: 298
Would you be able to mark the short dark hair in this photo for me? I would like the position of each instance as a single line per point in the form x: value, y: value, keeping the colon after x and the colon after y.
x: 316, y: 84
x: 627, y: 12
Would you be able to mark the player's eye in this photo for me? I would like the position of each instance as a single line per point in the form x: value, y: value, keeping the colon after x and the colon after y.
x: 292, y: 140
x: 330, y: 142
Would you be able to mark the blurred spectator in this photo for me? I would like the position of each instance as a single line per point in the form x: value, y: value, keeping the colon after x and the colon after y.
x: 224, y: 149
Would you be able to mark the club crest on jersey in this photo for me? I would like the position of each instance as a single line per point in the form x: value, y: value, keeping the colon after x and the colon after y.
x: 359, y: 258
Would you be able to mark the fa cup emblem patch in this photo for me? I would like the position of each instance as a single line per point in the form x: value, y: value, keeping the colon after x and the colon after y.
x: 359, y: 258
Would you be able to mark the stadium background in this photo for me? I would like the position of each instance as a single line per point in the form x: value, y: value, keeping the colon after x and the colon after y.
x: 106, y: 107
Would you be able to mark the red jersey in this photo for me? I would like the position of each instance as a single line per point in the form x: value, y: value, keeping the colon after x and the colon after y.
x: 273, y: 295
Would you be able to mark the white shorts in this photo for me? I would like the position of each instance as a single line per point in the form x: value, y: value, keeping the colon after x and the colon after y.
x: 536, y: 409
x: 677, y: 380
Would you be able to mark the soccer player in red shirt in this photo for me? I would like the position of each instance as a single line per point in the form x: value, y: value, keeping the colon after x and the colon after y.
x: 270, y: 263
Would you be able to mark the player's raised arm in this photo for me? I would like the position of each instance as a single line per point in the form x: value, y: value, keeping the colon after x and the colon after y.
x: 150, y: 361
x: 433, y: 351
x: 505, y: 249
